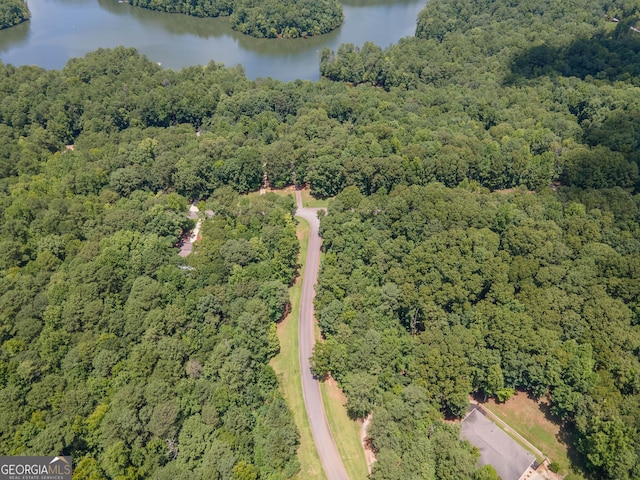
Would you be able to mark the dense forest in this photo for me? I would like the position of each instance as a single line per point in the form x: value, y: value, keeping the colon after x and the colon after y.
x: 444, y: 292
x: 13, y: 12
x: 138, y: 365
x: 484, y: 238
x: 291, y: 19
x: 261, y: 19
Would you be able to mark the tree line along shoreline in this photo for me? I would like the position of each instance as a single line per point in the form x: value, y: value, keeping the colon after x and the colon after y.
x: 261, y: 19
x: 13, y: 12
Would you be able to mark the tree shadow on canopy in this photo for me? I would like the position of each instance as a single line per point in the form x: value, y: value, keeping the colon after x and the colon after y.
x: 613, y: 56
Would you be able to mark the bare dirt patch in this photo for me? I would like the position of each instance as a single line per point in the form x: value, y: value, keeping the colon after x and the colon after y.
x: 281, y: 326
x: 507, y: 191
x: 369, y: 454
x: 334, y: 391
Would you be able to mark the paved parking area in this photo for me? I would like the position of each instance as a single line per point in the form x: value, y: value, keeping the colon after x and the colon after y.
x: 496, y: 447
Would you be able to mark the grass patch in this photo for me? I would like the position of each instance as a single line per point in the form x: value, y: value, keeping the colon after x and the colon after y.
x: 282, y: 192
x: 345, y: 431
x: 310, y: 201
x: 287, y: 368
x: 530, y: 419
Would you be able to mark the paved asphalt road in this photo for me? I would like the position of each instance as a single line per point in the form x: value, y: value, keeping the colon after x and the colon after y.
x: 329, y: 456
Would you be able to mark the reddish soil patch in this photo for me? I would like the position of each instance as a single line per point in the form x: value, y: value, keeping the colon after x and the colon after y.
x: 280, y: 326
x: 334, y: 391
x: 369, y: 454
x: 506, y: 191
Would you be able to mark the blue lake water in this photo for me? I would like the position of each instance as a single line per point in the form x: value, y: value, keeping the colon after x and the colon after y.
x: 63, y: 29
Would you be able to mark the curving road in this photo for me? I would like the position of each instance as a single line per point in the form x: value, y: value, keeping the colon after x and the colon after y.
x: 326, y: 446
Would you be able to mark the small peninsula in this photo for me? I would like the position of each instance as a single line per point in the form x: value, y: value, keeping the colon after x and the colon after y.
x: 261, y: 19
x: 13, y: 12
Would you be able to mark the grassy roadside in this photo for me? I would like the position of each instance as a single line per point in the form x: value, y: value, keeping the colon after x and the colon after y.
x: 345, y: 431
x: 287, y: 369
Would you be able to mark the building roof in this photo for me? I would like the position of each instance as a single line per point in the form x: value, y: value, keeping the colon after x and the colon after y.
x: 496, y: 447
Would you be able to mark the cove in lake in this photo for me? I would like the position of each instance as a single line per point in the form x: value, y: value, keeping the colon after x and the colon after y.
x: 63, y: 29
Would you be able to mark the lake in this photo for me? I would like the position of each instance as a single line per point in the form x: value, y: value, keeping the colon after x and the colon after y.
x: 63, y: 29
